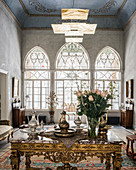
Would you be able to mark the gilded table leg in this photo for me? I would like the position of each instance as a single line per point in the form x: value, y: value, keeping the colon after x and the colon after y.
x: 108, y: 165
x: 28, y: 161
x: 15, y: 159
x: 117, y: 161
x: 101, y: 158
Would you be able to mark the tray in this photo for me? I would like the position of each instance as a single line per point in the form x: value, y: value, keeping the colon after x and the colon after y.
x: 69, y: 133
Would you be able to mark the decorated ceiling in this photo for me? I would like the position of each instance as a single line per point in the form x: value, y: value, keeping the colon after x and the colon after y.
x: 42, y: 13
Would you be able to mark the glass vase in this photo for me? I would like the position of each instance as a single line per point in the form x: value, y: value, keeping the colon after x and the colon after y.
x: 93, y: 123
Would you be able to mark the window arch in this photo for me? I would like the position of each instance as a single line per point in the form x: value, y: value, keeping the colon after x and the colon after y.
x: 108, y: 69
x: 36, y: 79
x: 72, y: 72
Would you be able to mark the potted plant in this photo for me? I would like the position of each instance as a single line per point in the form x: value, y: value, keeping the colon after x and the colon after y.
x: 52, y: 100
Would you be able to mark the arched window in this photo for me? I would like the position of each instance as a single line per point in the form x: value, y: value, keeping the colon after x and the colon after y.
x: 72, y: 72
x: 108, y: 69
x: 36, y: 79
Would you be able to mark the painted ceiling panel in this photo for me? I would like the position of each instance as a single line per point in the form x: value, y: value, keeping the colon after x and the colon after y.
x: 127, y: 11
x: 43, y: 13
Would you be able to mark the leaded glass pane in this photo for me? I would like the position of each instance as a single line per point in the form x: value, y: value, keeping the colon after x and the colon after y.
x: 37, y: 84
x: 37, y: 59
x: 36, y: 105
x: 45, y: 93
x: 28, y: 94
x: 59, y: 92
x: 104, y: 85
x: 36, y: 74
x: 108, y: 75
x: 70, y: 86
x: 99, y: 85
x: 74, y: 75
x: 72, y: 56
x: 28, y: 105
x: 107, y: 59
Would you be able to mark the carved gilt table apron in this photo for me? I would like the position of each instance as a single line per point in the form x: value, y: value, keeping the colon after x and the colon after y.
x: 56, y: 151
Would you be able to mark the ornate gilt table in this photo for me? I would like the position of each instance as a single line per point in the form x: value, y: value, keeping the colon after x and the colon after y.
x: 57, y: 150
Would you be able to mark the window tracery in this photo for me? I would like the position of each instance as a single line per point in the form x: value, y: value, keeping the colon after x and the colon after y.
x: 72, y: 72
x: 36, y: 79
x: 107, y: 69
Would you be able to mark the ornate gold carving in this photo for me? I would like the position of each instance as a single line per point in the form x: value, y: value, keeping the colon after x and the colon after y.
x: 15, y: 159
x: 39, y: 7
x: 28, y: 161
x: 58, y: 152
x: 117, y: 161
x: 57, y: 15
x: 107, y: 7
x: 108, y: 157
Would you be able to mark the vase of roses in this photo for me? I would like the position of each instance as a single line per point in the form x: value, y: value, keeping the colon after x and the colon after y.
x: 93, y: 104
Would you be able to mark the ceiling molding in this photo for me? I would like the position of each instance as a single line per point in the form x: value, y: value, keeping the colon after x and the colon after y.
x: 129, y: 20
x: 14, y: 17
x: 119, y: 10
x: 57, y: 15
x: 49, y: 28
x: 23, y: 6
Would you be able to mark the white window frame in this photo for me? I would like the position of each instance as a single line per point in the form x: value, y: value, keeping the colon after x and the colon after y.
x: 33, y: 80
x: 78, y: 69
x: 113, y: 70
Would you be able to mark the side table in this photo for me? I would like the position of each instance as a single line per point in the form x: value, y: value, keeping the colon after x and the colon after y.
x: 131, y: 153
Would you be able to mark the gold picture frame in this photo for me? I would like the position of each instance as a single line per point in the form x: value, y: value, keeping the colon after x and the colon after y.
x: 15, y: 87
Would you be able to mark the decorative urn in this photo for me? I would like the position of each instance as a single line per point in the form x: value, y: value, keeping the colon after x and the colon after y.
x: 33, y: 123
x: 78, y: 122
x: 64, y: 125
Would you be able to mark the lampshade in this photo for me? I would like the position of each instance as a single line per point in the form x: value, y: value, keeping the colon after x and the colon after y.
x: 71, y: 14
x: 74, y: 28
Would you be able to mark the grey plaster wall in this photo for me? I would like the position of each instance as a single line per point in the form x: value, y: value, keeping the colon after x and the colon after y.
x: 51, y: 43
x: 130, y: 60
x: 10, y: 54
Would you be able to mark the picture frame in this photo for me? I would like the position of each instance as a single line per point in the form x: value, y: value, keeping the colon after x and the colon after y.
x: 15, y: 87
x: 130, y: 89
x: 127, y: 88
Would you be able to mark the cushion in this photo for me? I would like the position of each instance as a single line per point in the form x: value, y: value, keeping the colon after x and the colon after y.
x: 4, y: 130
